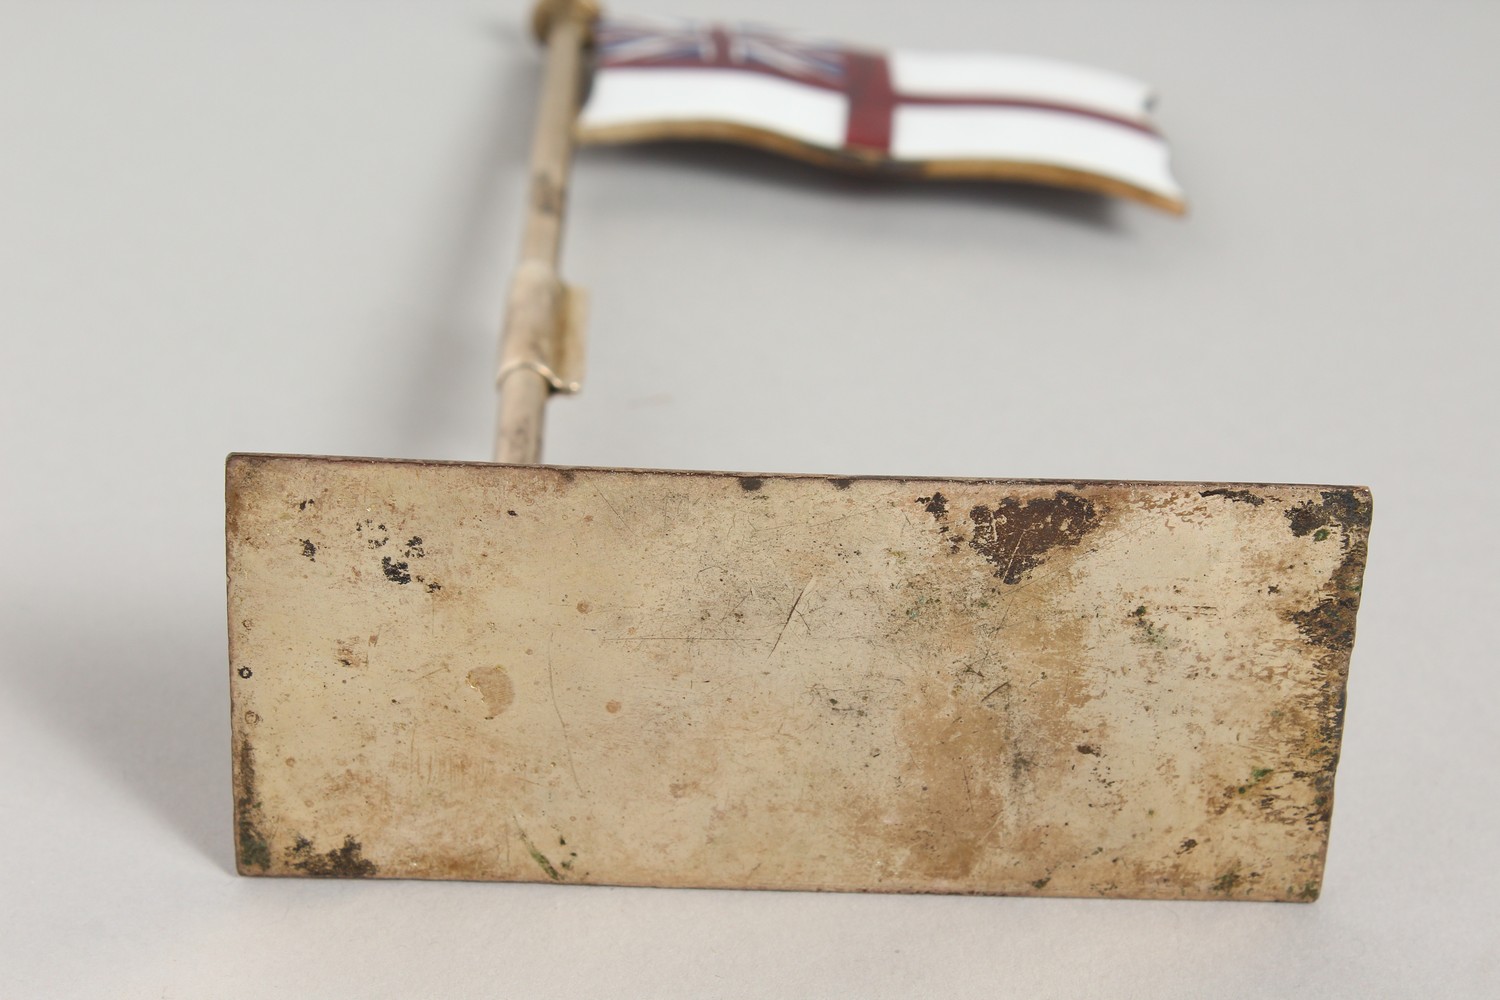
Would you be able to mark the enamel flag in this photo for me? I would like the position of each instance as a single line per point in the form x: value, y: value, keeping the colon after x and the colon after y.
x: 997, y: 117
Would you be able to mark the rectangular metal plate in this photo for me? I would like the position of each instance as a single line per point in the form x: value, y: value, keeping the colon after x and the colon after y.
x: 445, y: 670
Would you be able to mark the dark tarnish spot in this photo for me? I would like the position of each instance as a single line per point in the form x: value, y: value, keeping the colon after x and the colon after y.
x: 1329, y: 625
x: 341, y: 862
x: 841, y: 484
x: 1187, y: 845
x: 547, y: 867
x: 547, y: 195
x: 1238, y: 496
x: 1087, y: 748
x: 253, y: 850
x: 1345, y: 508
x: 751, y: 483
x: 936, y: 505
x: 396, y: 572
x: 1016, y: 537
x: 1330, y: 622
x: 1227, y: 882
x: 309, y: 550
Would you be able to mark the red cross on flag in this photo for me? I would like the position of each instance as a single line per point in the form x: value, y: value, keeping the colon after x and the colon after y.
x: 998, y: 117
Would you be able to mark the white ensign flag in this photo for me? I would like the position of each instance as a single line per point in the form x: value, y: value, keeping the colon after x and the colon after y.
x: 928, y: 114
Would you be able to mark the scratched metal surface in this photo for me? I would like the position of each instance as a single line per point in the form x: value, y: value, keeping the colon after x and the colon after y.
x: 698, y: 679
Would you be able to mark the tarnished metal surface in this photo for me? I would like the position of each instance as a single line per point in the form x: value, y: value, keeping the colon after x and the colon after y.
x: 695, y: 679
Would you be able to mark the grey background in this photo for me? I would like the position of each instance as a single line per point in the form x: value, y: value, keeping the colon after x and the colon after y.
x: 286, y: 227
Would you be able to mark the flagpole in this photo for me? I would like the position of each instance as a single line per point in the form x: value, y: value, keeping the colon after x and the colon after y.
x: 535, y: 321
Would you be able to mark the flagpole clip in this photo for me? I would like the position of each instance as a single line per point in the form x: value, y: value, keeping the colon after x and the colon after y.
x: 545, y: 325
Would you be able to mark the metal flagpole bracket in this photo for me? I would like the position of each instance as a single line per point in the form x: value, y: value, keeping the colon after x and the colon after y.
x: 552, y: 345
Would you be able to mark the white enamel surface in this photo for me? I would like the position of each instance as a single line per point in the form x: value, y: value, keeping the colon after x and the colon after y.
x: 1028, y: 135
x: 966, y: 74
x: 647, y: 95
